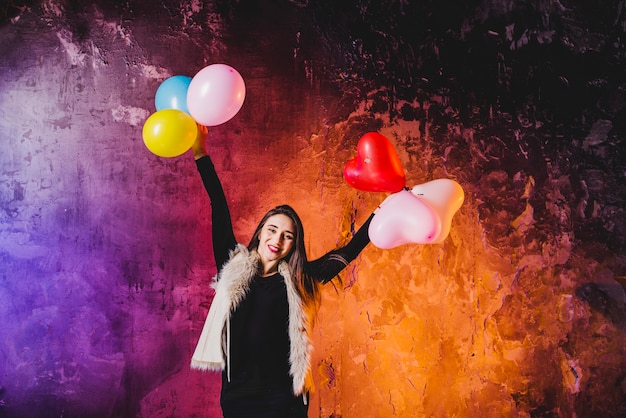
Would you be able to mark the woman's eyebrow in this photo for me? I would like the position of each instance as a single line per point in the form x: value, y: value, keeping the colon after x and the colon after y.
x: 286, y: 230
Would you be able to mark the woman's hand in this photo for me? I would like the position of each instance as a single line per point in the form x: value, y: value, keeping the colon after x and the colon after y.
x: 198, y: 146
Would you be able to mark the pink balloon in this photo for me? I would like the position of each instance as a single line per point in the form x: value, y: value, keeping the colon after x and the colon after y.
x: 404, y: 219
x: 215, y: 94
x: 445, y: 196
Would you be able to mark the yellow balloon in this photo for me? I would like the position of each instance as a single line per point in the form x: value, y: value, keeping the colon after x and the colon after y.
x: 169, y: 132
x: 445, y: 197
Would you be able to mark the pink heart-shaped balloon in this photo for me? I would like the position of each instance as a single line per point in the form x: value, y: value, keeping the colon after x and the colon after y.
x: 445, y: 197
x: 404, y: 219
x: 376, y: 167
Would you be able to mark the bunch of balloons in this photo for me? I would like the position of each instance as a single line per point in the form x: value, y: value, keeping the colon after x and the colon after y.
x: 213, y: 96
x: 421, y: 215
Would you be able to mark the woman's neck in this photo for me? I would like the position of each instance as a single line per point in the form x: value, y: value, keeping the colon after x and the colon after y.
x: 268, y: 269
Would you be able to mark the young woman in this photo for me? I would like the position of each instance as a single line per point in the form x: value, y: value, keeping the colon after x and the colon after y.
x: 258, y: 328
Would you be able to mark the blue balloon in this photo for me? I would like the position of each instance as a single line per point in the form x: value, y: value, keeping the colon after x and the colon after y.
x: 172, y: 93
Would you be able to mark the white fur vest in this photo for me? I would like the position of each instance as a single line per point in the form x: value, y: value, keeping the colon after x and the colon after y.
x: 231, y: 286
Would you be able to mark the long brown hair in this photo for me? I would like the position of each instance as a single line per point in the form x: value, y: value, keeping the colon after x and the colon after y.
x: 296, y: 259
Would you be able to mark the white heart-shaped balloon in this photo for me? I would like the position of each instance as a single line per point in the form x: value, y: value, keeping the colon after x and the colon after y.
x: 404, y: 219
x: 445, y: 196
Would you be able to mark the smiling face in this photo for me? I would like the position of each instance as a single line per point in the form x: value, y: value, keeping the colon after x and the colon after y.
x: 276, y: 241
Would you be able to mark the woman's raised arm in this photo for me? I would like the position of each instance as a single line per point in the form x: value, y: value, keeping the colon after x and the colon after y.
x: 325, y: 268
x: 221, y: 225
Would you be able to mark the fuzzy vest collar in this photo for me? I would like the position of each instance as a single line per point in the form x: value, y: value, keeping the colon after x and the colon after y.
x: 231, y: 285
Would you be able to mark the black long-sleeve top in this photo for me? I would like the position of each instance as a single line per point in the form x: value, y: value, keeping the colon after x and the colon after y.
x: 259, y: 355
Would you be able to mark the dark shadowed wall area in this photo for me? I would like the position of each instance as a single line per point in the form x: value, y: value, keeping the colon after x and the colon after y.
x: 105, y: 251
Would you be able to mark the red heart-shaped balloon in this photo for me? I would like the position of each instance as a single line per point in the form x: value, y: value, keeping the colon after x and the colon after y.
x: 376, y: 167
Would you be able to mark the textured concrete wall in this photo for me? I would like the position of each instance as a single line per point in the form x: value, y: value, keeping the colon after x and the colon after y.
x: 105, y: 249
